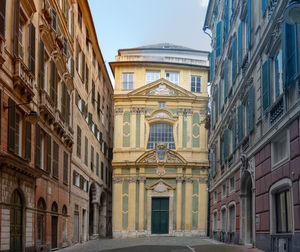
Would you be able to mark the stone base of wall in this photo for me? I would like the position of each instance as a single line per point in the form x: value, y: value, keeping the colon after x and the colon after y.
x: 227, y: 237
x: 273, y: 243
x: 143, y: 233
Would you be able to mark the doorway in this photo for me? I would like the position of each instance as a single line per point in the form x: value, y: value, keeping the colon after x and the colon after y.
x: 160, y: 216
x: 54, y: 225
x: 16, y: 222
x: 83, y: 225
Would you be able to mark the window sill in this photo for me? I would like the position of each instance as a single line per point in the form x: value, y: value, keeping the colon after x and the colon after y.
x: 280, y: 163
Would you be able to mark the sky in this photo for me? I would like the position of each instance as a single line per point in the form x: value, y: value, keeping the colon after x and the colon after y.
x: 132, y: 23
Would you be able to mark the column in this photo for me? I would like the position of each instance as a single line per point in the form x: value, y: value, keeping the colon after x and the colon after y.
x: 117, y: 204
x: 118, y: 128
x: 141, y: 202
x: 133, y: 127
x: 96, y: 220
x: 188, y: 202
x: 131, y: 203
x: 179, y: 203
x: 202, y: 204
x: 142, y: 127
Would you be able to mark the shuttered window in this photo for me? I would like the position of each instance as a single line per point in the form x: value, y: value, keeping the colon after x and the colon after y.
x: 78, y: 141
x: 266, y: 85
x: 226, y: 19
x: 240, y: 123
x: 11, y: 125
x: 53, y: 82
x: 264, y: 6
x: 28, y: 140
x: 16, y: 27
x: 66, y: 168
x: 97, y: 164
x: 219, y: 39
x: 98, y: 103
x: 65, y: 103
x: 212, y: 67
x: 2, y: 17
x: 37, y: 146
x: 55, y: 159
x: 42, y: 65
x: 240, y: 43
x: 234, y: 69
x: 225, y: 79
x: 92, y: 158
x: 234, y: 133
x: 290, y: 53
x: 226, y: 144
x: 102, y: 170
x: 251, y: 109
x: 86, y: 150
x: 48, y: 156
x: 216, y: 104
x: 221, y: 150
x: 249, y: 17
x: 72, y: 67
x: 93, y: 93
x: 32, y: 48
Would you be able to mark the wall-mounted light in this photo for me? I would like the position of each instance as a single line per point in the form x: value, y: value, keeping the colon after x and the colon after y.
x: 31, y: 116
x: 292, y: 12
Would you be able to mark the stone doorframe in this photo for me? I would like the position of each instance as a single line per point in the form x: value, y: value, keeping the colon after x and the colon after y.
x: 151, y: 195
x: 247, y: 170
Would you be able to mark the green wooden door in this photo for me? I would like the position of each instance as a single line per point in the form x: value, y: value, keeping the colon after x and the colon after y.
x: 160, y: 216
x: 16, y: 222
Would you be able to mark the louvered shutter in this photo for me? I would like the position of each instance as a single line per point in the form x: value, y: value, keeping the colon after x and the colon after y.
x: 221, y: 151
x: 42, y: 65
x: 63, y: 99
x: 68, y: 107
x: 72, y: 67
x: 53, y: 82
x: 225, y: 79
x: 28, y: 141
x: 240, y: 56
x: 97, y: 164
x: 264, y: 6
x: 11, y: 124
x: 216, y: 104
x: 219, y: 39
x: 86, y: 151
x: 0, y: 114
x: 93, y: 93
x: 212, y: 67
x: 78, y: 141
x: 240, y: 123
x: 251, y: 109
x: 72, y: 24
x: 234, y: 133
x: 37, y: 146
x: 226, y: 145
x: 98, y: 103
x: 220, y: 97
x: 249, y: 23
x: 290, y: 53
x: 2, y: 17
x: 55, y: 160
x: 66, y: 168
x: 226, y: 21
x: 234, y: 59
x: 32, y: 48
x: 266, y: 85
x: 48, y: 166
x: 16, y: 27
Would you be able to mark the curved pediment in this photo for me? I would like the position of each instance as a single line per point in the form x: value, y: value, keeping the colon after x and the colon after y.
x: 161, y: 114
x: 161, y: 155
x: 161, y: 87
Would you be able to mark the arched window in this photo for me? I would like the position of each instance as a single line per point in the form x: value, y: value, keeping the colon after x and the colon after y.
x: 64, y: 210
x: 41, y: 221
x: 41, y: 204
x: 161, y: 133
x: 54, y: 207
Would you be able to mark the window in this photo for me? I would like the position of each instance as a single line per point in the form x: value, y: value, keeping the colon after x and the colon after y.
x: 215, y: 221
x: 223, y: 219
x: 215, y: 196
x: 97, y: 164
x: 224, y: 190
x: 22, y: 40
x: 283, y: 212
x: 19, y: 134
x: 161, y: 104
x: 152, y: 76
x: 66, y: 168
x: 173, y: 77
x: 41, y: 221
x: 196, y: 84
x: 280, y: 148
x: 76, y: 179
x: 92, y: 158
x: 127, y: 81
x: 54, y: 20
x: 79, y: 17
x: 161, y: 132
x: 86, y: 150
x: 55, y: 160
x: 102, y: 170
x: 65, y: 46
x: 277, y: 74
x: 78, y: 141
x: 232, y: 218
x: 232, y: 184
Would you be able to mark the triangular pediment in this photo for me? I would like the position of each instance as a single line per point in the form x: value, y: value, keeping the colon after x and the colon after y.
x: 161, y: 87
x: 160, y: 186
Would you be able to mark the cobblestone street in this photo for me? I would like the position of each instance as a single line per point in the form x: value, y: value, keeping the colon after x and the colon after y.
x: 155, y: 244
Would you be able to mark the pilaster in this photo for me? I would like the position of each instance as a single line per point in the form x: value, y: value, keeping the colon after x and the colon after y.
x: 141, y: 202
x: 131, y: 203
x: 117, y: 204
x: 179, y: 203
x: 188, y: 202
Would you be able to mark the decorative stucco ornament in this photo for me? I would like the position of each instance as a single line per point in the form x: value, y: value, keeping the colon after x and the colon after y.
x: 162, y: 89
x: 160, y: 187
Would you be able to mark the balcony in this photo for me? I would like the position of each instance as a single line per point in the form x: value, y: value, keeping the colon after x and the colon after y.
x: 63, y: 129
x: 23, y: 79
x: 47, y: 108
x: 277, y: 110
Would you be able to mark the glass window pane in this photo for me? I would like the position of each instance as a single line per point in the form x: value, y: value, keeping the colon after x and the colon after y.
x: 161, y: 133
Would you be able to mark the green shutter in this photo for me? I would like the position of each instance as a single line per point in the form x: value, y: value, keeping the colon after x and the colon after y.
x: 16, y: 6
x: 53, y: 82
x: 37, y: 146
x: 240, y: 42
x: 28, y: 141
x: 249, y: 23
x: 66, y: 168
x: 212, y: 67
x: 86, y: 150
x: 251, y: 109
x: 48, y: 165
x: 240, y: 123
x: 226, y: 145
x: 32, y: 48
x: 216, y: 104
x: 42, y: 65
x: 234, y: 68
x: 219, y: 39
x: 266, y: 85
x: 221, y: 150
x: 225, y: 79
x: 11, y: 124
x: 55, y: 160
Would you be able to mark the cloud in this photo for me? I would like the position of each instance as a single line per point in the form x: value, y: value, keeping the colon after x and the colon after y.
x: 203, y: 3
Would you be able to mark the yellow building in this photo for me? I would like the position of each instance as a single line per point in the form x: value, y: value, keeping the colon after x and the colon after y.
x: 160, y: 141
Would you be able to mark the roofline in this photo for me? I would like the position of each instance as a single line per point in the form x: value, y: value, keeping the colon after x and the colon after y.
x: 165, y: 49
x: 147, y: 62
x: 205, y: 25
x: 96, y: 37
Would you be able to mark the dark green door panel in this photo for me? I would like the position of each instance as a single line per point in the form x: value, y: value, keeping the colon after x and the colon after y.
x: 160, y: 216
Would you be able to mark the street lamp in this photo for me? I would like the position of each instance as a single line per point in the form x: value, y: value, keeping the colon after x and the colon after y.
x: 32, y: 116
x: 292, y: 12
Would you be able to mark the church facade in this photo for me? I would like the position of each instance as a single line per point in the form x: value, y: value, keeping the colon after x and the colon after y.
x: 160, y: 142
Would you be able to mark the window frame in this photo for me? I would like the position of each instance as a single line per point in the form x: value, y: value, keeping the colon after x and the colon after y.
x: 127, y: 84
x: 169, y: 78
x: 153, y: 77
x: 277, y: 163
x: 196, y: 88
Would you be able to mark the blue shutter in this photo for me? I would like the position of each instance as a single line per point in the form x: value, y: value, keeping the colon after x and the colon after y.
x: 216, y: 104
x: 234, y: 133
x: 249, y: 23
x: 221, y: 153
x: 240, y: 123
x: 212, y: 66
x: 266, y: 85
x: 240, y: 45
x: 212, y: 114
x: 226, y: 146
x: 264, y: 6
x: 220, y: 96
x: 219, y: 39
x: 290, y: 53
x: 226, y: 21
x: 233, y: 59
x: 215, y: 160
x: 225, y: 79
x: 251, y: 109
